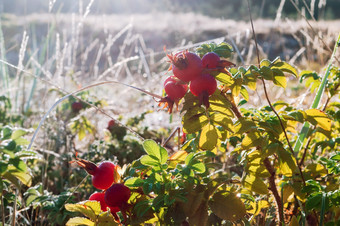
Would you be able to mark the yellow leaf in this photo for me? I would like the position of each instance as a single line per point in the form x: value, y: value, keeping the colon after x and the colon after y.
x: 223, y: 120
x: 294, y: 221
x: 288, y: 192
x: 208, y: 138
x: 287, y: 163
x: 84, y: 209
x: 79, y: 221
x: 318, y: 117
x: 252, y: 139
x: 258, y: 206
x: 255, y: 184
x: 194, y: 123
x: 227, y: 206
x: 179, y: 156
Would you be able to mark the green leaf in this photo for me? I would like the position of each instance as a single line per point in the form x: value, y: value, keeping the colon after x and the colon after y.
x: 134, y: 182
x: 3, y: 167
x: 6, y: 133
x: 223, y: 50
x: 266, y: 73
x: 255, y: 184
x: 236, y: 88
x: 243, y: 125
x: 208, y: 138
x: 14, y: 175
x: 148, y: 160
x: 313, y: 201
x: 198, y: 166
x: 189, y: 158
x: 225, y: 79
x: 227, y: 206
x: 75, y: 221
x: 318, y: 117
x: 19, y: 164
x: 18, y: 133
x: 279, y: 78
x: 284, y: 66
x: 244, y: 93
x: 155, y: 150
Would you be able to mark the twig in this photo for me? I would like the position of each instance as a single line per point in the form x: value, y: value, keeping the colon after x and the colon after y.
x: 314, y: 32
x: 267, y: 97
x: 272, y: 187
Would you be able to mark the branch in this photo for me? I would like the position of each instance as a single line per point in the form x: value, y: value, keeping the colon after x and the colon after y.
x: 273, y: 189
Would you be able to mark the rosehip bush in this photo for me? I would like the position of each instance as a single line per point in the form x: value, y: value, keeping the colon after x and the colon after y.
x: 238, y: 164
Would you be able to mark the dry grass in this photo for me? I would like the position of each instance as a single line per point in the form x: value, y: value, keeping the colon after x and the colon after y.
x: 73, y: 51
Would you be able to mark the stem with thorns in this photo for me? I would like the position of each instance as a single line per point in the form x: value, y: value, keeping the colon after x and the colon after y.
x: 272, y: 187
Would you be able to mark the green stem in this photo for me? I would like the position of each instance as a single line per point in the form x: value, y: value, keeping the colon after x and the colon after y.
x: 317, y: 99
x: 323, y: 207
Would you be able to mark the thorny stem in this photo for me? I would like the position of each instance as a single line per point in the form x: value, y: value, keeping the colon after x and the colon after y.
x: 272, y: 187
x: 2, y: 207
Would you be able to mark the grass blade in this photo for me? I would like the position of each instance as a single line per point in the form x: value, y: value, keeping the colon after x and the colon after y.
x: 316, y: 101
x: 3, y: 67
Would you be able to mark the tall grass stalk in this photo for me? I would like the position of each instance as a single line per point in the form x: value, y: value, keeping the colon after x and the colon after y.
x: 317, y: 99
x: 42, y: 56
x: 3, y: 67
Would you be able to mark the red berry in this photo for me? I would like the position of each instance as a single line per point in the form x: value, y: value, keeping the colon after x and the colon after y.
x: 111, y: 124
x: 117, y: 195
x: 102, y: 175
x: 175, y: 89
x: 210, y: 60
x: 100, y: 197
x: 76, y: 106
x: 186, y: 65
x: 205, y: 82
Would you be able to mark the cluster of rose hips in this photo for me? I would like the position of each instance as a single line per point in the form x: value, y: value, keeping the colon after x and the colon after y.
x: 189, y: 68
x: 113, y: 195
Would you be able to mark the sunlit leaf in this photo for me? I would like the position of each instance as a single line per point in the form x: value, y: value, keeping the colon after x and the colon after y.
x: 134, y: 182
x: 223, y: 121
x: 318, y: 117
x: 252, y: 139
x: 75, y: 221
x: 284, y: 66
x: 225, y: 79
x: 84, y: 209
x: 18, y: 133
x: 194, y: 124
x: 148, y: 160
x: 227, y: 206
x: 287, y: 163
x: 279, y: 78
x: 208, y: 138
x: 244, y: 93
x: 244, y: 125
x: 266, y: 73
x: 155, y: 150
x: 258, y: 206
x: 255, y: 184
